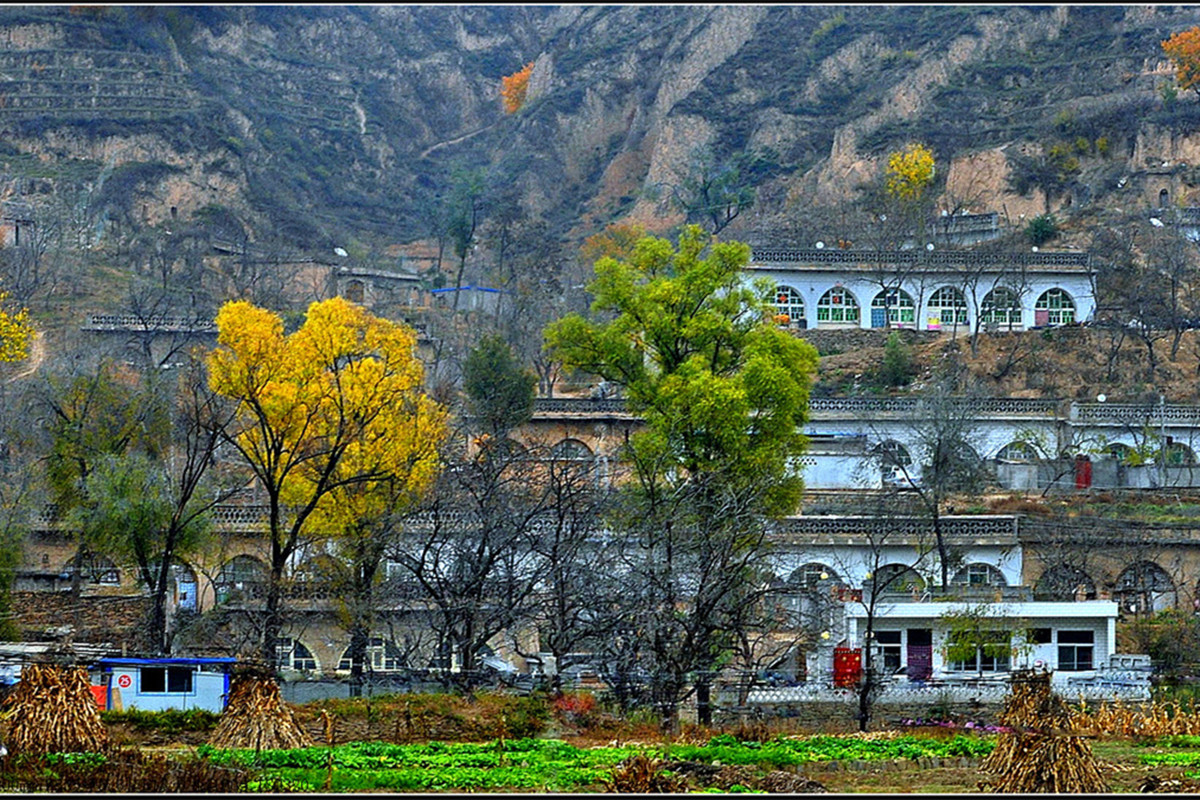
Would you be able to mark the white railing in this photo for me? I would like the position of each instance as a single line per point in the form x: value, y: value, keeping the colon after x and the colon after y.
x: 1138, y: 413
x: 155, y: 323
x: 945, y: 259
x: 999, y: 406
x: 936, y: 692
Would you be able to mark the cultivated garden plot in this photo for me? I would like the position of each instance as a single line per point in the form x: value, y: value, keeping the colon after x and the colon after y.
x: 491, y: 742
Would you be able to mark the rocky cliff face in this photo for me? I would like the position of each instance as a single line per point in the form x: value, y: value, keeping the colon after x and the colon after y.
x: 333, y: 123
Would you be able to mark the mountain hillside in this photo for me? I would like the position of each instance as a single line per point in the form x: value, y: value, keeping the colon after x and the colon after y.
x: 141, y: 140
x: 329, y: 123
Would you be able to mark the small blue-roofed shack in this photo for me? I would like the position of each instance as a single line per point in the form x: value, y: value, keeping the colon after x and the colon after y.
x: 158, y: 684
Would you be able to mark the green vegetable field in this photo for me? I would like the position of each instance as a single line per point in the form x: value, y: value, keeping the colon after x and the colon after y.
x: 551, y: 765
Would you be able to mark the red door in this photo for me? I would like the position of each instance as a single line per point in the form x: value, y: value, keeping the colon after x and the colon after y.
x: 919, y: 665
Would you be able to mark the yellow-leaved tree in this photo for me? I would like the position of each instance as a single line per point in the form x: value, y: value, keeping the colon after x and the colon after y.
x: 1184, y: 51
x: 16, y: 333
x: 909, y: 172
x: 332, y: 421
x: 514, y: 88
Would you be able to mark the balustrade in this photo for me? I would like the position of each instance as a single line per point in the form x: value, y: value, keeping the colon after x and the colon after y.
x: 897, y: 528
x: 938, y: 259
x: 578, y: 405
x: 1138, y: 413
x: 134, y: 322
x: 992, y: 407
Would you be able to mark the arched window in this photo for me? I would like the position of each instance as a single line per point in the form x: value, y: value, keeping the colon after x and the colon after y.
x: 355, y: 291
x: 895, y: 462
x: 789, y: 307
x: 1176, y: 454
x: 978, y: 574
x: 181, y: 584
x: 1123, y: 452
x: 242, y: 578
x: 837, y: 307
x: 382, y: 656
x: 898, y: 307
x: 95, y: 568
x: 571, y: 450
x: 1054, y: 307
x: 1062, y: 582
x: 948, y: 306
x: 893, y: 454
x: 1144, y: 588
x: 804, y: 601
x: 897, y: 578
x: 1164, y: 197
x: 811, y: 574
x: 1018, y: 451
x: 292, y: 654
x: 1001, y: 308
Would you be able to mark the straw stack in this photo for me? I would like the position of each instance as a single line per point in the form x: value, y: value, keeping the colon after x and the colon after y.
x: 1045, y: 752
x: 52, y: 710
x: 256, y: 716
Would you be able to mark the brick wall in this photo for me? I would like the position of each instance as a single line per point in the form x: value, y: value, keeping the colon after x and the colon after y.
x: 116, y: 620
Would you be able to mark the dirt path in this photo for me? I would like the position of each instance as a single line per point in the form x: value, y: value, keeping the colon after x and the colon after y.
x: 455, y: 140
x: 37, y: 354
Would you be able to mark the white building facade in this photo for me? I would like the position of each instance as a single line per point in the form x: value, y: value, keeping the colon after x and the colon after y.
x: 926, y: 290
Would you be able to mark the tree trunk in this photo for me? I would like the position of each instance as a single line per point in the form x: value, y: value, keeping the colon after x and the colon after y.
x: 157, y: 634
x: 272, y: 619
x: 943, y: 556
x: 76, y: 572
x: 866, y: 686
x: 359, y: 642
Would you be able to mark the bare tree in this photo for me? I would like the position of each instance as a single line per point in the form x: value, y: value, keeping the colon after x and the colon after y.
x: 690, y: 561
x: 572, y: 549
x: 946, y: 462
x: 885, y: 581
x: 162, y: 325
x: 471, y: 550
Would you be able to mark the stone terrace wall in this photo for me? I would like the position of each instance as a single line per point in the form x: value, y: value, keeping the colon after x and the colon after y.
x: 113, y: 620
x: 849, y: 340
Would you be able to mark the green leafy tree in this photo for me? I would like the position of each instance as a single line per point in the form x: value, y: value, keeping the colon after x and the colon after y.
x: 128, y: 514
x: 1041, y: 229
x: 499, y: 391
x: 464, y: 208
x: 130, y: 468
x: 90, y: 417
x: 976, y: 633
x: 897, y: 369
x: 724, y: 395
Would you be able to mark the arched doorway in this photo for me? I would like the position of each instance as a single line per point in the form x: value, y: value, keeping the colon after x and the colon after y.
x: 1054, y: 307
x: 893, y: 307
x: 1144, y: 588
x: 1062, y: 583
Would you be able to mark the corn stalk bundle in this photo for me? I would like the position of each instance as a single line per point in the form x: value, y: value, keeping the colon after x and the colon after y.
x: 1154, y: 719
x: 52, y: 710
x: 1045, y: 752
x: 257, y: 718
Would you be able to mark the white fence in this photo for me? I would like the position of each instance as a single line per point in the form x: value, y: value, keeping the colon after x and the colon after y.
x: 1128, y: 689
